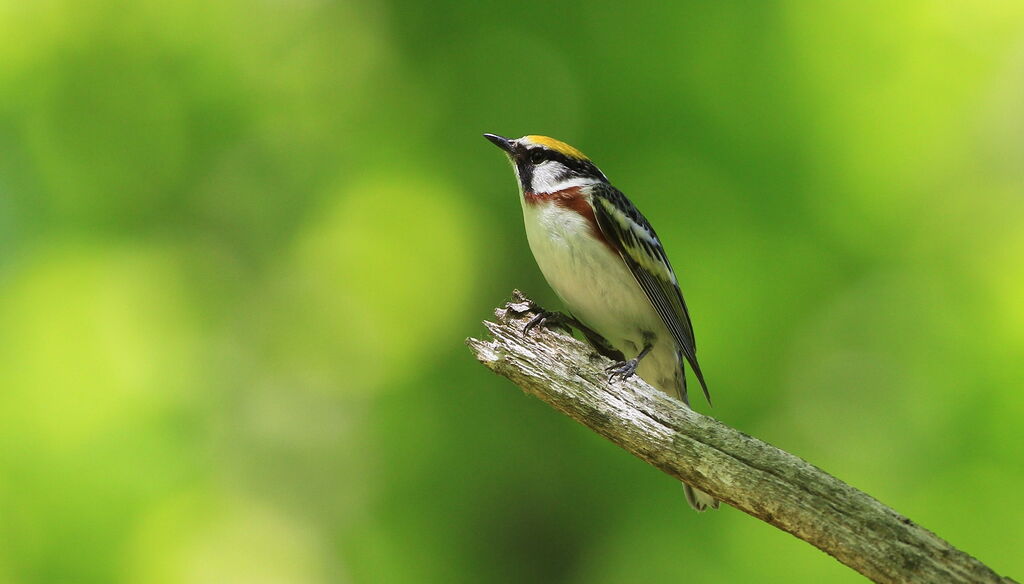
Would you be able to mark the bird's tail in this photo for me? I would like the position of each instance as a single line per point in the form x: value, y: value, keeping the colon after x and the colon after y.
x: 699, y: 500
x: 665, y: 372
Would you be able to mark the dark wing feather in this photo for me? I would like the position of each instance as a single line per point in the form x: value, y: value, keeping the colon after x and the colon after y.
x: 632, y: 235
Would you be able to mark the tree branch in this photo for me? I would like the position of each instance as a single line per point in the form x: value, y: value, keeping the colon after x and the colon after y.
x: 752, y: 476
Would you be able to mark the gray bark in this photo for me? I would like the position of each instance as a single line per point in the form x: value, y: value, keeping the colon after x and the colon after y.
x: 748, y: 474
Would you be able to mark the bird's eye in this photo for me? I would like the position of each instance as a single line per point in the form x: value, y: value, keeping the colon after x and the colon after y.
x: 536, y: 156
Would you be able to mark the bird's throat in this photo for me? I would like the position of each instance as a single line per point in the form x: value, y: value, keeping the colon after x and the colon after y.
x: 575, y: 199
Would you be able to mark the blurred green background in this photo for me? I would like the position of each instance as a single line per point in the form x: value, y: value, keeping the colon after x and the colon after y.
x: 241, y: 244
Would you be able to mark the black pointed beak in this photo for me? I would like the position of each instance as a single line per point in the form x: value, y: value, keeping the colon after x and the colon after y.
x: 503, y: 143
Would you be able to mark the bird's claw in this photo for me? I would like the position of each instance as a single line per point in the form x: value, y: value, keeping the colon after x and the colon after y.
x: 546, y: 318
x: 622, y: 370
x: 537, y: 320
x: 567, y: 322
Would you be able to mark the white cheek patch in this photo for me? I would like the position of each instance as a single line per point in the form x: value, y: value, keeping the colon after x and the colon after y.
x: 547, y: 178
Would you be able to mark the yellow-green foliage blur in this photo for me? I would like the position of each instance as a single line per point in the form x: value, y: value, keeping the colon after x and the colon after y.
x: 242, y: 242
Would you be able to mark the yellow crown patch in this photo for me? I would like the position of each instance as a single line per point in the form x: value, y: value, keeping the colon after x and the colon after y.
x: 557, y: 146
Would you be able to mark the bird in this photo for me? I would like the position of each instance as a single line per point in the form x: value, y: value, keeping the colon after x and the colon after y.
x: 605, y: 262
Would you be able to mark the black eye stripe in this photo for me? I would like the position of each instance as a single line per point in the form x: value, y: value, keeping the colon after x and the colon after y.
x: 527, y: 159
x: 582, y: 167
x: 539, y: 155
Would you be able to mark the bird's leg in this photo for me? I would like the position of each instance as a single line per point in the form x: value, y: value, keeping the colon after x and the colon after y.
x: 602, y: 346
x: 566, y: 321
x: 625, y: 369
x: 550, y: 318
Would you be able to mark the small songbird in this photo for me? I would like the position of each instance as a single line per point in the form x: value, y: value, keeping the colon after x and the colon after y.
x: 606, y: 263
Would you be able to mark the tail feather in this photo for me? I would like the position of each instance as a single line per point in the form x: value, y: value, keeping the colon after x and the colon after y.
x: 699, y: 500
x: 665, y: 373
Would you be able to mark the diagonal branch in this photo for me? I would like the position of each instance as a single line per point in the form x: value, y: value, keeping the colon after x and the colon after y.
x: 752, y: 476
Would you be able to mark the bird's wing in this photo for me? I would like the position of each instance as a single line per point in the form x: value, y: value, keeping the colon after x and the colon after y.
x: 632, y: 235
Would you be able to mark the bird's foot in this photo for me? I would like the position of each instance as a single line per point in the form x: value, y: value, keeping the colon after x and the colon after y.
x: 567, y: 322
x: 548, y: 319
x: 622, y: 370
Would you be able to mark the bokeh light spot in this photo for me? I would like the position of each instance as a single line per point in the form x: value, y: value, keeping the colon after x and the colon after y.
x: 214, y: 538
x: 377, y: 278
x: 90, y: 338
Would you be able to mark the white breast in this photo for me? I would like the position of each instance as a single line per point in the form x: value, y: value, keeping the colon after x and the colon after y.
x: 590, y: 278
x: 598, y: 289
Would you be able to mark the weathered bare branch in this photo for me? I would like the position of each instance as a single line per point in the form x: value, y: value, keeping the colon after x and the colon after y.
x: 752, y: 476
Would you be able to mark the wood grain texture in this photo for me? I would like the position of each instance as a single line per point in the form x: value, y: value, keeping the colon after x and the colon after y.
x: 748, y: 474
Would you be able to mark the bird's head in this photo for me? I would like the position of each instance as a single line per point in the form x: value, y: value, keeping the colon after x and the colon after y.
x: 545, y: 165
